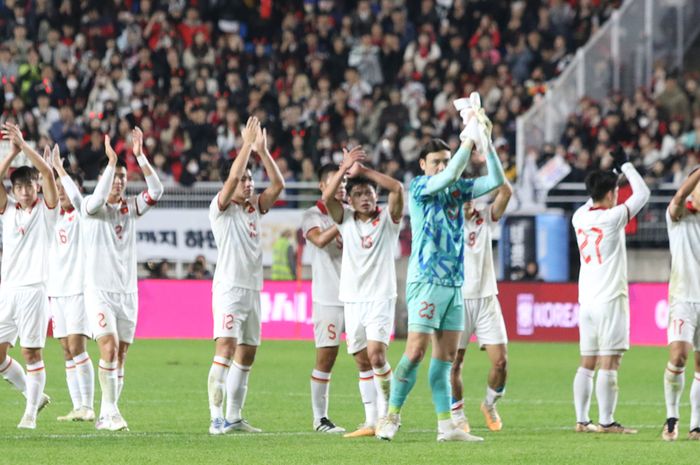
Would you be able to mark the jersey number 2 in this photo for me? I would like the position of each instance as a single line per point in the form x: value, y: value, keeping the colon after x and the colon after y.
x: 586, y: 239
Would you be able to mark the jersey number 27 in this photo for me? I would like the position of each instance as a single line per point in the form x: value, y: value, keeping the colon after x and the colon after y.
x: 598, y: 235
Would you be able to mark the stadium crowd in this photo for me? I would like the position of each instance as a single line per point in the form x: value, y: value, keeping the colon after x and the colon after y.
x: 319, y: 74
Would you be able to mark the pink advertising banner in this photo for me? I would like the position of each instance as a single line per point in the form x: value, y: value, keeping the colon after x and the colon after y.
x: 182, y: 310
x: 532, y: 311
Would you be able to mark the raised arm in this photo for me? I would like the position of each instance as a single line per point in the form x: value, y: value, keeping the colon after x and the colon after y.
x: 270, y: 195
x: 495, y: 177
x: 4, y: 166
x: 321, y: 238
x: 394, y: 187
x: 71, y: 190
x: 104, y: 185
x: 498, y: 207
x: 48, y: 183
x: 154, y: 186
x: 676, y: 208
x: 335, y: 208
x: 640, y: 190
x: 240, y: 163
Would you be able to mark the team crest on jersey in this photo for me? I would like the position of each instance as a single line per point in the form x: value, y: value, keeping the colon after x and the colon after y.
x: 124, y: 208
x: 479, y: 221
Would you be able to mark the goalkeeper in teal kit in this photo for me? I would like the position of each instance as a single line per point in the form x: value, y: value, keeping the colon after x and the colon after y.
x: 435, y: 271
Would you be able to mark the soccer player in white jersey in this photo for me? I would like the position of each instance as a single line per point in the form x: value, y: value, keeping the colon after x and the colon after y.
x: 65, y: 290
x: 683, y: 223
x: 604, y: 317
x: 367, y: 276
x: 235, y: 221
x: 482, y: 311
x: 326, y: 247
x: 111, y: 293
x: 27, y: 226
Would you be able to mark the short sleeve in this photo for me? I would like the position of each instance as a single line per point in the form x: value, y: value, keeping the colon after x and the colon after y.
x: 214, y: 210
x: 393, y: 226
x: 50, y: 215
x: 309, y: 221
x: 11, y: 203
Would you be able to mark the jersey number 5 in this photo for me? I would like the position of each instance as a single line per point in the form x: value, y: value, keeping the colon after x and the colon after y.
x: 598, y: 233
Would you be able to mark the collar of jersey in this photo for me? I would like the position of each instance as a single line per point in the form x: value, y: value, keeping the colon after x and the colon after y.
x: 597, y: 208
x: 19, y: 205
x: 63, y: 211
x: 376, y: 214
x: 690, y: 207
x: 322, y: 206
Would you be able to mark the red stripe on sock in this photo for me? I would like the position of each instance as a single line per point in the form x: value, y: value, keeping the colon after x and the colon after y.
x: 384, y: 375
x: 106, y: 369
x: 7, y: 367
x: 34, y: 370
x: 459, y: 407
x: 674, y: 371
x: 367, y: 378
x: 221, y: 364
x: 84, y: 361
x: 320, y: 380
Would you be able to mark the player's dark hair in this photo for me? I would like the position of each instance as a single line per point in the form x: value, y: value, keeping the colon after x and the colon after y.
x: 225, y: 168
x: 105, y: 161
x: 435, y: 145
x: 24, y: 175
x: 599, y: 183
x: 359, y: 181
x: 327, y: 169
x: 77, y: 178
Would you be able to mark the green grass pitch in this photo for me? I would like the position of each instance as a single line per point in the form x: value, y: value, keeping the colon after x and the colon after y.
x: 165, y: 403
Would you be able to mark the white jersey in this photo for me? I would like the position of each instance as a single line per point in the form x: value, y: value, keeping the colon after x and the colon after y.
x: 368, y: 271
x: 684, y: 237
x: 26, y: 235
x: 479, y: 273
x: 326, y: 261
x: 109, y: 243
x: 600, y: 234
x: 66, y: 256
x: 237, y: 234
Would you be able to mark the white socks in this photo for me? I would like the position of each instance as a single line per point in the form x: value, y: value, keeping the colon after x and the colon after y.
x: 14, y: 374
x: 120, y: 382
x: 695, y: 402
x: 457, y: 411
x: 674, y: 382
x: 86, y: 379
x: 36, y: 380
x: 368, y: 393
x: 583, y: 389
x: 606, y: 393
x: 236, y: 389
x: 73, y: 386
x: 382, y: 383
x: 320, y: 384
x: 107, y: 373
x: 216, y: 384
x: 492, y: 395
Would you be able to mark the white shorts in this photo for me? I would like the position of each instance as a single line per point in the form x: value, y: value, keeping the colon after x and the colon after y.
x: 368, y: 321
x: 684, y: 323
x: 24, y: 312
x: 237, y: 314
x: 328, y: 324
x: 112, y: 313
x: 68, y: 316
x: 604, y: 328
x: 483, y: 317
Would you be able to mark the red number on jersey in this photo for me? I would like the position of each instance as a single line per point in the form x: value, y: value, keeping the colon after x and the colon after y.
x: 228, y: 322
x: 599, y: 233
x: 63, y: 236
x: 118, y: 229
x: 472, y: 239
x: 367, y: 242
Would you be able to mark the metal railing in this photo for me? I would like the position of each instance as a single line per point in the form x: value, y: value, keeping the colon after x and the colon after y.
x: 651, y: 220
x: 619, y: 57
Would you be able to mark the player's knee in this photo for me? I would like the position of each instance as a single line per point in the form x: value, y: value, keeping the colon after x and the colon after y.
x: 415, y: 354
x: 679, y: 359
x: 377, y: 359
x: 31, y: 355
x: 501, y: 364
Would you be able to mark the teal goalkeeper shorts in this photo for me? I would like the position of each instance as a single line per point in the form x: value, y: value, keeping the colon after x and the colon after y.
x: 433, y: 307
